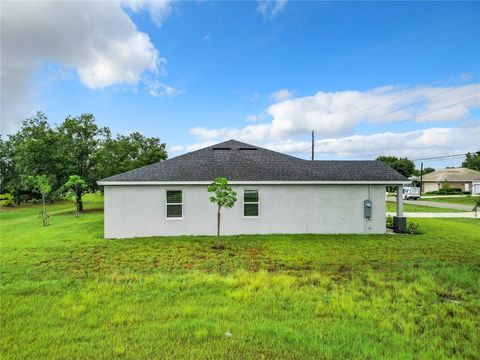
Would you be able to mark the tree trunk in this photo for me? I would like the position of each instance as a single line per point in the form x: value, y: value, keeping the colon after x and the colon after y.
x: 79, y: 203
x: 43, y: 211
x: 218, y: 226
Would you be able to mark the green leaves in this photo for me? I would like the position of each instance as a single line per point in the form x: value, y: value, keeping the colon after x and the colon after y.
x: 472, y: 161
x: 402, y: 165
x: 223, y: 196
x: 40, y: 184
x: 76, y: 184
x: 75, y: 146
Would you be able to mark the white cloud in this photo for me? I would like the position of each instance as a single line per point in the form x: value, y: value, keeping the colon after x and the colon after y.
x: 281, y: 95
x: 271, y: 8
x: 412, y: 144
x: 338, y: 113
x: 96, y: 39
x: 158, y: 89
x: 158, y: 9
x: 188, y: 148
x: 254, y: 117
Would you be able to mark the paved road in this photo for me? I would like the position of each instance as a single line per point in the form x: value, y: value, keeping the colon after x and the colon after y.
x: 435, y: 204
x: 469, y: 214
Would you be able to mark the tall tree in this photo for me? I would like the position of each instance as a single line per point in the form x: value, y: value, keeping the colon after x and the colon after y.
x: 128, y: 152
x: 7, y: 166
x: 81, y: 140
x: 35, y: 149
x: 77, y: 146
x: 402, y: 165
x: 472, y: 161
x: 223, y: 196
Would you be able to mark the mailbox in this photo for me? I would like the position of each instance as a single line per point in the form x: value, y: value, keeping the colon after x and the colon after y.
x: 367, y: 208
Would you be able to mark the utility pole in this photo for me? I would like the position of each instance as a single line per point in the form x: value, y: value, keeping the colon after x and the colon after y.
x: 313, y: 144
x: 421, y: 177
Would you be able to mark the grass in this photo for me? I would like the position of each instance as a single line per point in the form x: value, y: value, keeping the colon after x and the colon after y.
x: 467, y: 200
x: 392, y: 207
x: 68, y: 293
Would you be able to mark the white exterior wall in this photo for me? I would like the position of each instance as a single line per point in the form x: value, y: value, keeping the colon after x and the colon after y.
x: 430, y: 186
x: 476, y: 187
x: 140, y: 210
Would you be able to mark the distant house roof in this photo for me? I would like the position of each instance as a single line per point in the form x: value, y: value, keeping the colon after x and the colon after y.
x: 238, y: 161
x: 454, y: 174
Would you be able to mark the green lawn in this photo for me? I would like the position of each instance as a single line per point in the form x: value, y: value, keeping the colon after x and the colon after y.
x: 68, y: 293
x: 467, y: 200
x: 392, y: 207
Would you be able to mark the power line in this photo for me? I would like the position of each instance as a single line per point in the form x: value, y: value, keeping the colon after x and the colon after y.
x: 407, y: 106
x: 428, y: 113
x: 442, y: 157
x: 449, y: 106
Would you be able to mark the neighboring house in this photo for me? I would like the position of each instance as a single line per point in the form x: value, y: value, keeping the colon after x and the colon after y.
x: 458, y: 178
x: 277, y: 193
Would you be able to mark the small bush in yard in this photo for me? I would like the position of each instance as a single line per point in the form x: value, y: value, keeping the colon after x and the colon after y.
x: 390, y: 221
x: 412, y: 227
x: 6, y: 200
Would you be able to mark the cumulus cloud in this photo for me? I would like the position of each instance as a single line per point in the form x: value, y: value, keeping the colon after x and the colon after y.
x: 412, y: 144
x: 159, y: 10
x: 281, y: 95
x: 338, y: 113
x: 97, y: 40
x: 270, y: 8
x: 335, y: 115
x: 157, y: 88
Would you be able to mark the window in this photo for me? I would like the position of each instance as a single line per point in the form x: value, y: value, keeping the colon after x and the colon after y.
x: 250, y: 203
x: 174, y: 204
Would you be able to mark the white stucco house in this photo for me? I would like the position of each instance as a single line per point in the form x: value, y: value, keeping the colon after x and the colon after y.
x: 277, y: 193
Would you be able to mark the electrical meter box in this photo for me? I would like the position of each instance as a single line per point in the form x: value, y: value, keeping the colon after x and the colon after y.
x: 367, y: 208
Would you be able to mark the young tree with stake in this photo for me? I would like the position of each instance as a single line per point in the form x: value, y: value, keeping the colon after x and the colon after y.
x: 41, y: 184
x: 223, y: 196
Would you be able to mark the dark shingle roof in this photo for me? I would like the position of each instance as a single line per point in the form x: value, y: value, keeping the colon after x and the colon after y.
x: 238, y: 161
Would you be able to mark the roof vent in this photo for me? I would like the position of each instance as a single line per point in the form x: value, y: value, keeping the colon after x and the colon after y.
x: 247, y: 148
x: 222, y: 148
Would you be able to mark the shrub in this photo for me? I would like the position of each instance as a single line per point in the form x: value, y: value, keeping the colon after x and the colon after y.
x: 390, y: 221
x: 24, y: 198
x: 446, y: 192
x: 445, y: 186
x: 412, y: 227
x: 6, y: 200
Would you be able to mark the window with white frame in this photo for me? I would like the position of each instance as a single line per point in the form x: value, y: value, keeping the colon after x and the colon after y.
x: 250, y: 203
x: 174, y: 204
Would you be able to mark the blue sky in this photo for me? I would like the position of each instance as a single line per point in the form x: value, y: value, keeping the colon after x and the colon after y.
x: 364, y: 75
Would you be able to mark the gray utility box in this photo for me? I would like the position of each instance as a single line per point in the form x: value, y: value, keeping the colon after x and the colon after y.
x: 400, y: 224
x: 367, y: 208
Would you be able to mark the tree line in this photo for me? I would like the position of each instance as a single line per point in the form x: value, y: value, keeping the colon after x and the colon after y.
x: 41, y: 161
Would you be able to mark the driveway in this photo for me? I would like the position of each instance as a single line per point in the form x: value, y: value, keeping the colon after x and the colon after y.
x: 470, y: 215
x: 435, y: 204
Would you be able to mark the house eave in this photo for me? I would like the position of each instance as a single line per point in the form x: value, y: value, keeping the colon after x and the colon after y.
x: 270, y: 182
